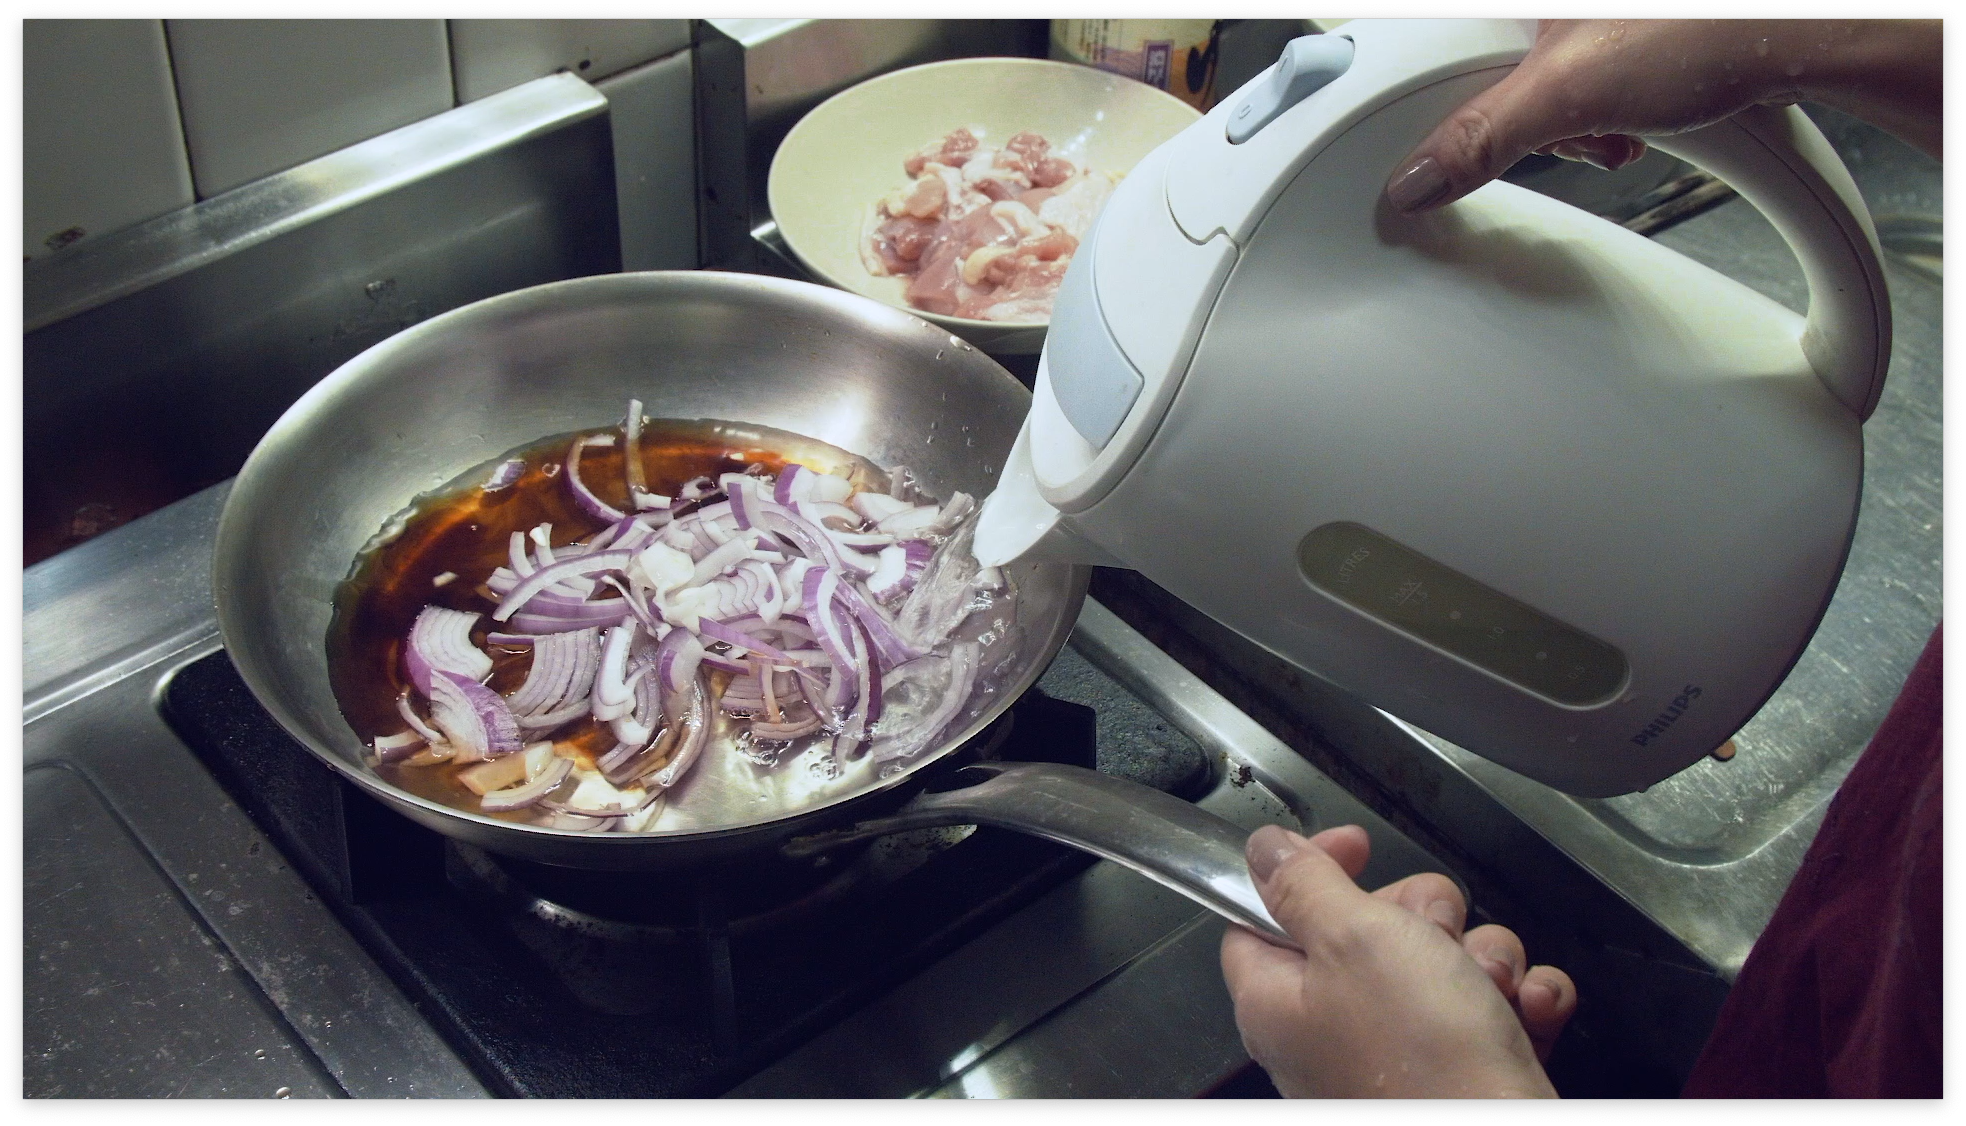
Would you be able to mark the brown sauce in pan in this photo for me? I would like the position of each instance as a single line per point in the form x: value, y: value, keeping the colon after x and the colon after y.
x: 465, y: 530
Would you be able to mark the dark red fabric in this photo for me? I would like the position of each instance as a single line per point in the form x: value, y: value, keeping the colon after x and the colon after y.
x: 1841, y: 995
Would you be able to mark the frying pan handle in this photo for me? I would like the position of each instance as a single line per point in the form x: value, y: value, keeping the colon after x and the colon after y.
x: 1157, y: 835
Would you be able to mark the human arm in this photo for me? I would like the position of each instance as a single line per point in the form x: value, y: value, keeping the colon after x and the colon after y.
x: 1389, y: 998
x: 1590, y: 89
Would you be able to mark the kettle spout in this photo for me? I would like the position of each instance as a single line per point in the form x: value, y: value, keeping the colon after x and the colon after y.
x: 1018, y: 524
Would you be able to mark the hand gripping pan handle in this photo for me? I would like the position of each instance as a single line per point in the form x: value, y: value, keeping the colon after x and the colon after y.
x: 1157, y: 835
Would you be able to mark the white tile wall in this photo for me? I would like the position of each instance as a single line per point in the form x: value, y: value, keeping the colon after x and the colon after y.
x: 259, y: 96
x: 100, y: 143
x: 651, y: 109
x: 492, y: 55
x: 128, y: 119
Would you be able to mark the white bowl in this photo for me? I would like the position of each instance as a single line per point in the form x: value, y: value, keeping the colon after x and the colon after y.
x: 845, y: 155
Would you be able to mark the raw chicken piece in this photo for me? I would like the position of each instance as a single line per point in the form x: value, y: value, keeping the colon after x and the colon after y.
x: 952, y: 150
x: 984, y: 233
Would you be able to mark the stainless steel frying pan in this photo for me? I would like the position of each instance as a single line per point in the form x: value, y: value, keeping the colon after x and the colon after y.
x: 411, y: 413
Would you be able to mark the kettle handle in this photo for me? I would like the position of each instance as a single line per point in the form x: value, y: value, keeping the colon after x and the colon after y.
x: 1781, y: 163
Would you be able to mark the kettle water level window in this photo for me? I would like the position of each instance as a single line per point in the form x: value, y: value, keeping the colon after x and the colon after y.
x: 1417, y: 596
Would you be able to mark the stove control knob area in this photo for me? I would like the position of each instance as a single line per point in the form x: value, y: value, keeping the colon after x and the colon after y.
x: 1308, y: 65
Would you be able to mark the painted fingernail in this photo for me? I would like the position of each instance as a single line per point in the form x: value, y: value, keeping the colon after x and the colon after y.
x: 1418, y: 187
x: 1268, y: 847
x: 1443, y: 913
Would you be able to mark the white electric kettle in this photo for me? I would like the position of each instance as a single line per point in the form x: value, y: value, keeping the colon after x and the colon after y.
x: 1511, y: 472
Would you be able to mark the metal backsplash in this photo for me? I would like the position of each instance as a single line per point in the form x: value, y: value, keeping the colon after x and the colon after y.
x: 155, y: 358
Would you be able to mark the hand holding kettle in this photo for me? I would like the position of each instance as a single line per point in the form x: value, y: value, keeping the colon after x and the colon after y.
x: 1589, y: 90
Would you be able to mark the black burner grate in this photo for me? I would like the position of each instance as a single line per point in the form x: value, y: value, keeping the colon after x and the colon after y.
x: 550, y: 989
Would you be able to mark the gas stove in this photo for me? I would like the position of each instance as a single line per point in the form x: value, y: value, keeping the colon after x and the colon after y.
x: 211, y: 911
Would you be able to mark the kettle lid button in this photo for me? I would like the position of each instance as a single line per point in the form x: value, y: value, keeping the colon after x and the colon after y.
x: 1309, y: 63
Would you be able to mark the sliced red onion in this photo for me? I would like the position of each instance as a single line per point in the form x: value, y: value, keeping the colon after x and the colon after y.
x: 621, y: 753
x: 893, y: 648
x: 635, y: 537
x: 954, y: 512
x: 786, y: 731
x: 885, y: 583
x: 547, y: 721
x: 440, y: 640
x: 698, y: 733
x: 634, y: 594
x: 539, y: 580
x: 473, y: 718
x: 583, y: 496
x: 867, y: 698
x: 819, y: 511
x: 732, y: 552
x: 613, y: 696
x: 913, y: 522
x: 640, y: 724
x: 821, y: 586
x: 837, y: 552
x: 793, y: 578
x: 577, y: 586
x: 506, y: 475
x: 860, y: 541
x: 876, y: 507
x: 429, y: 733
x: 720, y: 529
x: 605, y: 613
x: 720, y: 661
x: 631, y: 449
x: 789, y: 487
x: 729, y: 635
x: 859, y: 564
x: 695, y: 487
x: 829, y: 487
x: 390, y: 748
x: 556, y: 598
x: 943, y: 597
x: 528, y: 793
x: 811, y: 541
x: 676, y: 661
x: 511, y: 640
x: 562, y: 670
x: 607, y: 535
x: 648, y: 700
x: 771, y: 603
x: 767, y: 678
x: 737, y: 487
x: 962, y: 660
x: 607, y: 811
